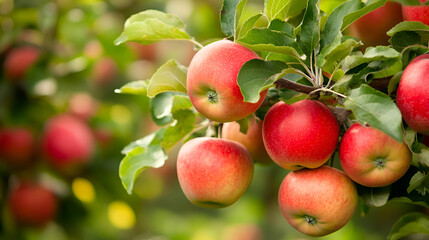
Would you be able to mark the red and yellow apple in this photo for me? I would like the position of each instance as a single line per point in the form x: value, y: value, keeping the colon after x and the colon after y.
x: 19, y: 60
x: 67, y: 142
x: 371, y: 28
x: 32, y: 204
x: 372, y: 158
x: 17, y: 146
x: 303, y: 134
x: 318, y: 201
x: 416, y: 13
x: 252, y: 139
x: 412, y: 96
x: 214, y: 172
x: 212, y: 82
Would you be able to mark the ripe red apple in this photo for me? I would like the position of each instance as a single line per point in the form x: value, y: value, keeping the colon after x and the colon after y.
x: 214, y: 172
x: 16, y: 146
x: 19, y: 60
x: 412, y: 96
x: 318, y: 201
x: 416, y: 13
x: 33, y: 205
x: 303, y: 134
x: 252, y: 140
x: 372, y: 158
x: 371, y: 28
x: 67, y: 142
x: 212, y: 81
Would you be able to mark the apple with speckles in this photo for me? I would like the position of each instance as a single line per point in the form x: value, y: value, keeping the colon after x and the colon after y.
x: 318, y: 201
x: 212, y: 81
x: 412, y: 96
x: 214, y: 172
x: 418, y: 13
x: 303, y: 134
x: 372, y: 158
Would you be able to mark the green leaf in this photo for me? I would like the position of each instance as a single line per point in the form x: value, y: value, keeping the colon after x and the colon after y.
x: 264, y: 39
x: 410, y: 201
x: 169, y: 77
x: 255, y: 76
x: 330, y: 59
x: 282, y: 26
x: 248, y: 24
x: 282, y: 9
x: 409, y: 224
x: 403, y: 39
x: 372, y: 54
x: 152, y: 26
x: 417, y: 27
x: 185, y: 120
x: 376, y: 109
x: 344, y: 15
x: 244, y: 124
x: 145, y: 154
x: 230, y: 16
x: 374, y: 197
x: 422, y: 157
x: 417, y: 181
x: 138, y: 87
x: 310, y: 29
x: 160, y: 108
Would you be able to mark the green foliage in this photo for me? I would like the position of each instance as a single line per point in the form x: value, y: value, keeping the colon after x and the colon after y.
x: 170, y: 77
x: 374, y: 197
x: 409, y: 224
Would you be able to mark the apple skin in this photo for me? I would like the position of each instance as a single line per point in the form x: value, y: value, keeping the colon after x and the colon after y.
x: 212, y: 81
x: 33, y: 205
x: 371, y: 28
x: 303, y: 134
x: 67, y: 142
x: 416, y: 13
x: 17, y: 146
x: 252, y: 140
x: 19, y: 60
x: 364, y: 148
x: 324, y: 194
x: 214, y: 172
x: 412, y: 98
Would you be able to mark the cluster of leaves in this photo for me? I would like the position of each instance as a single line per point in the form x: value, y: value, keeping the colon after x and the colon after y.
x: 301, y: 45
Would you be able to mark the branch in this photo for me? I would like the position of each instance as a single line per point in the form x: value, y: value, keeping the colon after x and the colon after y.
x: 285, y: 83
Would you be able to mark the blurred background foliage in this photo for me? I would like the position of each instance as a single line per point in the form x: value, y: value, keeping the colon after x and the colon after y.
x: 76, y: 72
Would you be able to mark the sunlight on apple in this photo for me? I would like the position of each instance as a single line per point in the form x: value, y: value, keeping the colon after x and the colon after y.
x: 121, y: 215
x: 83, y: 190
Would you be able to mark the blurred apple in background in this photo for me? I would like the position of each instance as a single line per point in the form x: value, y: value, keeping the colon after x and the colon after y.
x: 83, y: 105
x: 17, y: 146
x: 67, y: 143
x: 371, y: 28
x: 32, y: 204
x: 19, y: 61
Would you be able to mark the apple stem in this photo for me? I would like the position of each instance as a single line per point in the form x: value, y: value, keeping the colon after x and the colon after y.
x: 219, y: 130
x: 285, y: 83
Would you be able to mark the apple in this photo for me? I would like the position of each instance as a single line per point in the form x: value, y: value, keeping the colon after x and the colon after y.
x: 318, y: 201
x: 19, y: 60
x: 214, y: 172
x: 32, y: 204
x: 371, y: 28
x: 416, y: 13
x: 252, y: 140
x: 67, y: 142
x: 372, y: 158
x: 83, y: 105
x: 412, y: 98
x: 104, y: 71
x: 303, y: 134
x: 17, y: 145
x: 212, y: 81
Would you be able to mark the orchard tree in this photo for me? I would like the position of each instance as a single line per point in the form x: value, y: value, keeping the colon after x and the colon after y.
x: 292, y: 67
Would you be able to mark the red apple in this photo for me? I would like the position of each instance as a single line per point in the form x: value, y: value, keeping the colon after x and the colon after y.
x: 303, y: 134
x: 319, y: 201
x: 19, y: 60
x: 33, y: 205
x: 371, y: 28
x: 412, y: 95
x: 214, y: 172
x: 416, y: 13
x: 252, y: 140
x: 372, y: 158
x: 212, y: 81
x: 16, y: 146
x: 67, y: 142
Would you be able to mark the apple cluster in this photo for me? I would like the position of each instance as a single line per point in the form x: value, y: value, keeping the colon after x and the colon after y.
x: 315, y: 198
